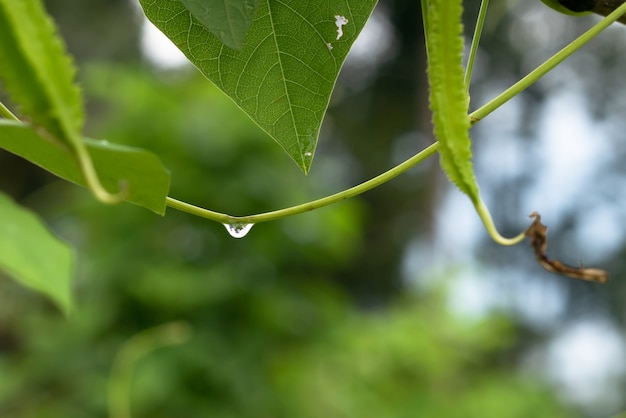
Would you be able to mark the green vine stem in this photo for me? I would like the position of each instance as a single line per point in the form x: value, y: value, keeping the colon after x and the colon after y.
x: 485, y: 217
x: 309, y: 206
x: 92, y: 179
x: 86, y: 166
x: 480, y: 22
x: 424, y: 8
x: 544, y: 68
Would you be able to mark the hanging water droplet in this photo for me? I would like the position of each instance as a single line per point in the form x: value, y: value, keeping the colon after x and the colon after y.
x: 238, y: 230
x: 307, y: 147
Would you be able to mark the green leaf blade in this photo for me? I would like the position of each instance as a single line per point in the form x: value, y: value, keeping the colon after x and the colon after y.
x: 287, y: 68
x: 448, y: 99
x: 37, y: 71
x: 228, y: 20
x: 147, y: 180
x: 33, y: 256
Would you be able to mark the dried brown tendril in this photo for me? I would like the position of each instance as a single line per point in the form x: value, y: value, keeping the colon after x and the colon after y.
x: 538, y: 234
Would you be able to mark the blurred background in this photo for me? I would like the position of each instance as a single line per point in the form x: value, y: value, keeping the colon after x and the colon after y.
x: 392, y: 304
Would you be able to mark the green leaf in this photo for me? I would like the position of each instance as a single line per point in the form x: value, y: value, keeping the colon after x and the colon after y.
x: 32, y: 255
x: 147, y: 180
x: 39, y: 75
x: 448, y: 99
x: 36, y: 70
x: 228, y: 20
x: 575, y: 7
x: 286, y: 70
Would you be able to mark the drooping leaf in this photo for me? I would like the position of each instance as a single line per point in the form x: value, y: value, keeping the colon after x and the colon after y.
x: 286, y: 70
x: 448, y: 99
x: 147, y: 180
x: 36, y: 70
x: 584, y: 7
x: 32, y: 255
x: 228, y: 20
x: 575, y: 7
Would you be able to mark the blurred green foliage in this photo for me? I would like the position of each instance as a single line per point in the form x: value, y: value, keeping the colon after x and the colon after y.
x: 273, y: 332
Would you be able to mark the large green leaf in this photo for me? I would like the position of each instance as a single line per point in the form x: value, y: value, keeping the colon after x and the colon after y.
x: 448, y: 98
x: 147, y: 180
x: 286, y: 70
x: 36, y: 70
x: 32, y: 255
x: 226, y: 19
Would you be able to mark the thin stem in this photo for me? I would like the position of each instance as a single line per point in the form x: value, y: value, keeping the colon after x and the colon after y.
x: 305, y: 207
x: 7, y: 114
x: 86, y: 166
x: 480, y: 22
x: 424, y: 4
x: 544, y: 68
x: 485, y: 217
x: 93, y: 181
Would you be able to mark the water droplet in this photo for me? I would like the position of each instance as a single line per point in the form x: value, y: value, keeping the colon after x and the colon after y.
x: 238, y: 230
x: 307, y: 146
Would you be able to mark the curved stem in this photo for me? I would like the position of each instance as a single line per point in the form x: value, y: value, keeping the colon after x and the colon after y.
x: 305, y: 207
x: 485, y: 217
x: 91, y: 177
x: 544, y: 68
x: 86, y: 167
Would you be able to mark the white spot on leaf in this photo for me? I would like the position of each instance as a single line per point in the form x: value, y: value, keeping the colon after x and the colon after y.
x: 330, y: 46
x: 340, y: 22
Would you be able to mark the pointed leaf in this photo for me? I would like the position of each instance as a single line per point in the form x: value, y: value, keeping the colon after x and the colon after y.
x: 448, y: 99
x: 148, y: 181
x: 228, y: 20
x: 32, y: 255
x: 36, y: 70
x: 286, y: 70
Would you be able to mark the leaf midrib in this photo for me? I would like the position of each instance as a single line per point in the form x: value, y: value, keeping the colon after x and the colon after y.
x: 284, y: 80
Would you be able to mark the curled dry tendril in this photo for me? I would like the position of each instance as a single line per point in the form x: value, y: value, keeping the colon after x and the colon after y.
x: 538, y: 234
